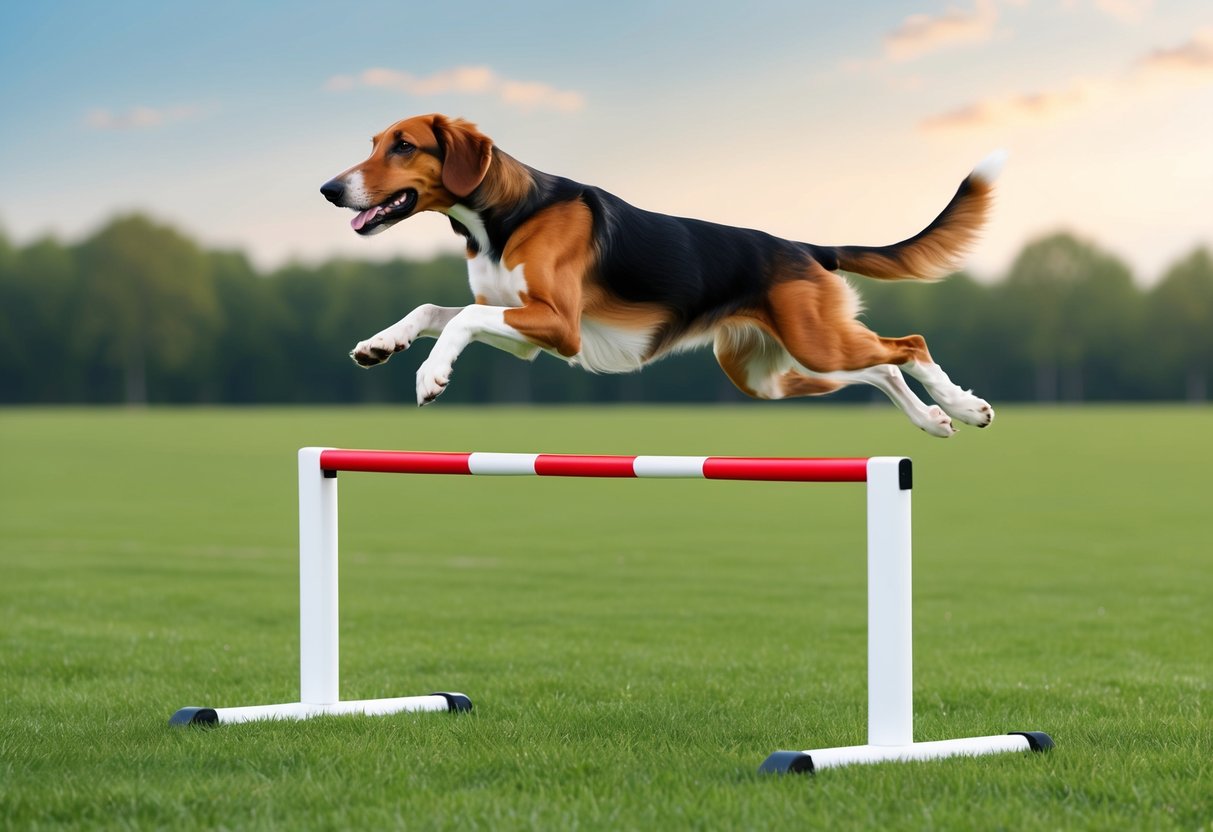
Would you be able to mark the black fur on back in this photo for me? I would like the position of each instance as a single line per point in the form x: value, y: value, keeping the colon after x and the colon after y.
x: 700, y: 271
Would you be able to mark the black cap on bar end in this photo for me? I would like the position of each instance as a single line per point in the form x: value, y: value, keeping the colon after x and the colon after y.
x: 194, y: 716
x: 787, y: 762
x: 1037, y: 740
x: 455, y: 701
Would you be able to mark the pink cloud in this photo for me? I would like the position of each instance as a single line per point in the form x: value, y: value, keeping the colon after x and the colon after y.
x: 1034, y: 106
x: 1153, y: 74
x: 921, y: 34
x: 1191, y: 56
x: 465, y: 80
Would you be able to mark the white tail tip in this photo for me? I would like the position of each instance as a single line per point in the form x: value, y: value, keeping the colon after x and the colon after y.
x: 987, y: 169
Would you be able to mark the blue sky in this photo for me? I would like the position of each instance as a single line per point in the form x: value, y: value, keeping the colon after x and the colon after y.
x: 826, y: 122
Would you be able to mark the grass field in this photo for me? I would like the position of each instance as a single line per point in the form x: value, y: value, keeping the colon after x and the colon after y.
x: 634, y: 649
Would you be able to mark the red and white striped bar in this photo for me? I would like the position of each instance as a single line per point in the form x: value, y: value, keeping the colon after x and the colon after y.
x: 888, y: 479
x: 779, y: 469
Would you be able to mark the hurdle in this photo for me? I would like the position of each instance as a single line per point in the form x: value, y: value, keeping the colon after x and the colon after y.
x: 889, y: 483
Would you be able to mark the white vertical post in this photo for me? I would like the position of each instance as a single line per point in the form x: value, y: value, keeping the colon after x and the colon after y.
x: 890, y: 619
x: 318, y: 657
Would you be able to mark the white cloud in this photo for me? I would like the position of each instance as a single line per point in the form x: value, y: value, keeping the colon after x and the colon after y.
x: 465, y: 80
x: 138, y: 118
x: 921, y: 34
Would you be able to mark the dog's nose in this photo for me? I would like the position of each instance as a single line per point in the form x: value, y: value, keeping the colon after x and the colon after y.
x: 333, y: 191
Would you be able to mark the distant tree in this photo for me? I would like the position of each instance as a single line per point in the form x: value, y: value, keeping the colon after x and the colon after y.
x: 1073, y: 306
x: 252, y: 359
x: 7, y: 252
x: 954, y: 317
x: 1181, y: 324
x: 40, y: 361
x: 11, y: 299
x: 1107, y: 313
x: 146, y: 298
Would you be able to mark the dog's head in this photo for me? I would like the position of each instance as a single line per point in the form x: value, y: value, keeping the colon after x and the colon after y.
x: 424, y: 163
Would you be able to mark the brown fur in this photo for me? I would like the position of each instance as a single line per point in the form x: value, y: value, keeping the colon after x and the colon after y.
x: 506, y: 183
x: 601, y: 305
x: 814, y: 322
x: 554, y: 248
x: 933, y: 255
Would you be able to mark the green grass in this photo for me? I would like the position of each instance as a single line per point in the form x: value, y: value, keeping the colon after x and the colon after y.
x: 634, y: 649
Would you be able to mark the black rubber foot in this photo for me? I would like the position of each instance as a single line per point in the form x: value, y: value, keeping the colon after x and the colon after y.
x: 455, y: 701
x: 1037, y: 740
x: 787, y: 762
x: 194, y: 716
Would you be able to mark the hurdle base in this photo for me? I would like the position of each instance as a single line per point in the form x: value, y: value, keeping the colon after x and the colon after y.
x: 301, y: 710
x: 807, y: 762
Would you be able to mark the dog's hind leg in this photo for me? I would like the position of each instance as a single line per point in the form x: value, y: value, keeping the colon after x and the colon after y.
x: 813, y: 317
x: 959, y: 403
x: 760, y: 367
x: 888, y: 379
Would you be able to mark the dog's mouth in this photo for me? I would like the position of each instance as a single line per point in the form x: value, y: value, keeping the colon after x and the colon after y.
x: 386, y: 214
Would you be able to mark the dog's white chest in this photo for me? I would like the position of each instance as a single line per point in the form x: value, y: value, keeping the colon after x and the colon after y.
x: 491, y: 281
x: 611, y: 349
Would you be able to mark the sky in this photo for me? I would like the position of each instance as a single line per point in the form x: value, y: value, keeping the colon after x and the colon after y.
x: 827, y: 122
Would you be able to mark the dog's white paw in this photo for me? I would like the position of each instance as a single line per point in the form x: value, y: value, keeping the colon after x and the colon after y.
x: 379, y: 348
x: 431, y: 381
x: 967, y: 408
x: 937, y: 423
x: 375, y: 350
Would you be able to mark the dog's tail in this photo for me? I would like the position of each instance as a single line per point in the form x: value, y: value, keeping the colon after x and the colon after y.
x: 936, y: 250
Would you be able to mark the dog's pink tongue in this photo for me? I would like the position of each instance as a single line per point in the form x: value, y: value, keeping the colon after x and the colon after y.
x: 360, y: 220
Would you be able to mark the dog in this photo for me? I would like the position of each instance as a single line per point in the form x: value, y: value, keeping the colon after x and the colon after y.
x: 560, y: 267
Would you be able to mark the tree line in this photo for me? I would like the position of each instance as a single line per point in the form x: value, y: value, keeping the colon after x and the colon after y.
x: 138, y: 312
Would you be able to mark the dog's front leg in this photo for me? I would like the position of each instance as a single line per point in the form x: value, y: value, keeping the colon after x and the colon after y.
x: 426, y: 321
x: 487, y: 324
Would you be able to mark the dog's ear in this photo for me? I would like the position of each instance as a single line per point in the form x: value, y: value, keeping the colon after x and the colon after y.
x: 466, y: 154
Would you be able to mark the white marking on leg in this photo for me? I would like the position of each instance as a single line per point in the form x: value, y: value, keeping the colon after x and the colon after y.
x: 888, y: 379
x: 473, y: 323
x: 426, y: 321
x: 960, y: 404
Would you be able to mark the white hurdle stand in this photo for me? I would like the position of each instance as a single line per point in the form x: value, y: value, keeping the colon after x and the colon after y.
x: 319, y: 674
x: 890, y: 647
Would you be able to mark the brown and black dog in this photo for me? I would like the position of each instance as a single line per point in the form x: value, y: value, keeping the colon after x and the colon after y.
x: 572, y: 270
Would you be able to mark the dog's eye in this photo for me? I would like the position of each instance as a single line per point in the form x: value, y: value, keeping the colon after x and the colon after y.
x: 403, y: 148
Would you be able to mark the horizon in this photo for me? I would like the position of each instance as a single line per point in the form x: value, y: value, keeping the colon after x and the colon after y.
x: 1104, y: 106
